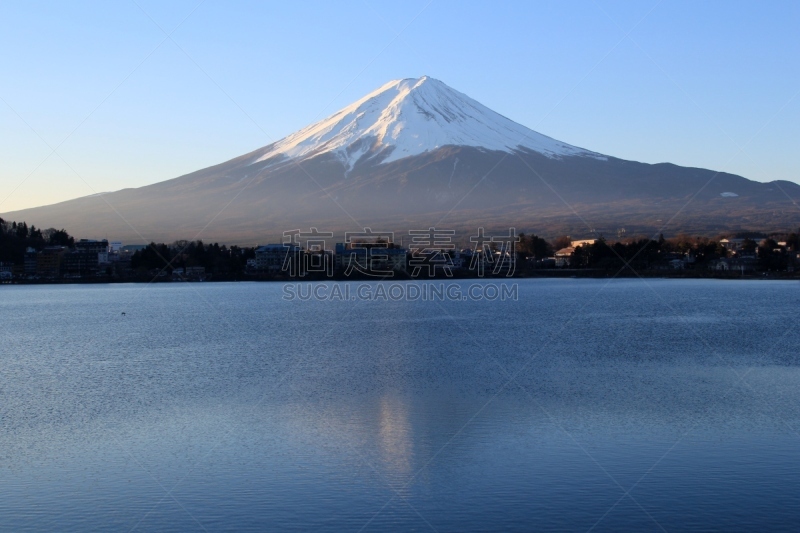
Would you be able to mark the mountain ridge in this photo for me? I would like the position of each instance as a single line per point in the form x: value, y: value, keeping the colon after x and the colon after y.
x: 414, y: 153
x: 396, y: 115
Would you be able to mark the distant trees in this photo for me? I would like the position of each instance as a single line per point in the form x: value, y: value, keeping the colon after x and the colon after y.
x: 774, y: 252
x: 748, y: 246
x: 215, y: 258
x: 16, y: 237
x: 562, y: 242
x: 58, y: 237
x: 771, y: 256
x: 639, y: 254
x: 793, y: 241
x: 532, y: 246
x: 153, y: 256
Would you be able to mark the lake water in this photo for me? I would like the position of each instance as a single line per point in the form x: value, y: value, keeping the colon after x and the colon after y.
x: 583, y: 405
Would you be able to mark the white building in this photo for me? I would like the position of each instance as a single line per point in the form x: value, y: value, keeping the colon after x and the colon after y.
x: 273, y: 257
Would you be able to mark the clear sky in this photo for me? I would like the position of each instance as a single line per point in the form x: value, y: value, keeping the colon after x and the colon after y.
x: 706, y: 84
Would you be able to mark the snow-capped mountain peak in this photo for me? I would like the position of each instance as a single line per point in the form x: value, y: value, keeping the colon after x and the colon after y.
x: 409, y: 117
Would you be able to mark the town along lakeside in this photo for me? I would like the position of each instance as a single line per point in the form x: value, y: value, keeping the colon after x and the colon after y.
x: 29, y: 255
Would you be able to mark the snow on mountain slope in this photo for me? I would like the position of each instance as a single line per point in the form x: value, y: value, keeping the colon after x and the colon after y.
x: 412, y: 116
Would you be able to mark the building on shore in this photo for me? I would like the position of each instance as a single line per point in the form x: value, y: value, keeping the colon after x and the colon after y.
x: 192, y: 273
x: 48, y: 261
x: 6, y: 270
x: 29, y: 262
x: 370, y: 259
x: 275, y: 258
x: 85, y: 259
x: 564, y: 256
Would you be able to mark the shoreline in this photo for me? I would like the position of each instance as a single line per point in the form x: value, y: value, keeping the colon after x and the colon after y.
x: 549, y: 274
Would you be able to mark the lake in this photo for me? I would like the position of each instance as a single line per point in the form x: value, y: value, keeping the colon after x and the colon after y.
x: 580, y: 405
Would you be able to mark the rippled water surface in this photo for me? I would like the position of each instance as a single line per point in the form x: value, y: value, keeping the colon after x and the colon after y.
x: 630, y: 405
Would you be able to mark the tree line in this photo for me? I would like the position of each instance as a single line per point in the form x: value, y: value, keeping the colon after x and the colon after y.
x: 638, y: 253
x: 17, y: 237
x: 645, y: 253
x: 215, y: 258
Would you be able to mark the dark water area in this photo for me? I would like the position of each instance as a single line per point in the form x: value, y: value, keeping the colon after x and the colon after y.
x: 637, y: 405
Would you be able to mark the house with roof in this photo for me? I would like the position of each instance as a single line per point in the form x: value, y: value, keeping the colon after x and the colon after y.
x: 564, y: 256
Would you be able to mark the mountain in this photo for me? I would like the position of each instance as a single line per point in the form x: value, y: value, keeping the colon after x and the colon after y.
x: 408, y: 118
x: 416, y: 153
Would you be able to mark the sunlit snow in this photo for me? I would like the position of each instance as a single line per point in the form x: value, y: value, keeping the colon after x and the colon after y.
x: 412, y: 116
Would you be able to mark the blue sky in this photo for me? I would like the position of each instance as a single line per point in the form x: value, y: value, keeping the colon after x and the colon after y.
x: 706, y: 84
